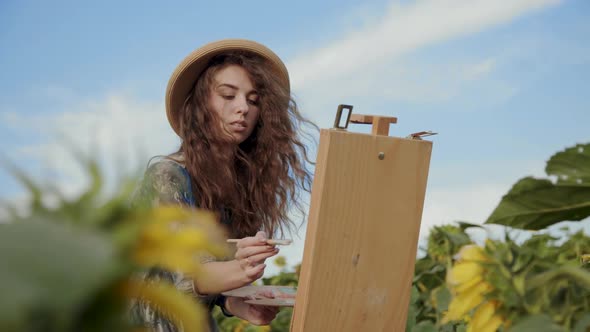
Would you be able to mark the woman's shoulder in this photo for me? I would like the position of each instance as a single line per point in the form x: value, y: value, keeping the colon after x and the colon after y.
x: 165, y: 167
x: 167, y: 180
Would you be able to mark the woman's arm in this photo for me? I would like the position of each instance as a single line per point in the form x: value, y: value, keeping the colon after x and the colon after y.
x: 165, y: 182
x: 246, y: 267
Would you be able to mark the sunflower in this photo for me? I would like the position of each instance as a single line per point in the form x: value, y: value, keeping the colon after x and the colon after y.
x: 469, y: 289
x: 173, y: 237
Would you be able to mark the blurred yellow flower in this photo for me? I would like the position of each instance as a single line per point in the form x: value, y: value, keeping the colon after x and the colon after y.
x: 240, y: 328
x: 472, y: 253
x: 463, y: 302
x: 175, y: 237
x: 466, y: 282
x: 464, y: 272
x: 177, y: 306
x: 485, y: 318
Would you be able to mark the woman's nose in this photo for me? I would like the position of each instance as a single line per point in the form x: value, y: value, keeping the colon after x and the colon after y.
x: 242, y: 105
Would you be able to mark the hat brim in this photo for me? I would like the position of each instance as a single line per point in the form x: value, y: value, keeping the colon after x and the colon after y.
x: 188, y: 71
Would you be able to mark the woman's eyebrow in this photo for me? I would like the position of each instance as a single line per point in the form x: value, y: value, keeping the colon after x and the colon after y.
x: 233, y: 87
x: 227, y: 85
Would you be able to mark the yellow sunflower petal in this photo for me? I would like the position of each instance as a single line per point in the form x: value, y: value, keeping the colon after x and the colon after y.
x: 472, y: 253
x: 172, y: 260
x: 165, y: 213
x: 190, y: 239
x: 156, y: 232
x: 461, y: 304
x: 464, y: 272
x: 466, y: 285
x: 492, y: 324
x: 482, y: 315
x: 177, y: 306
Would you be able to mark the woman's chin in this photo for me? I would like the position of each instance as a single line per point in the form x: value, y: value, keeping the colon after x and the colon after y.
x: 240, y: 137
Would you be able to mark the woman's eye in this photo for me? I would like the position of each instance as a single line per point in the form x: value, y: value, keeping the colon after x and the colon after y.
x: 228, y: 97
x: 253, y: 102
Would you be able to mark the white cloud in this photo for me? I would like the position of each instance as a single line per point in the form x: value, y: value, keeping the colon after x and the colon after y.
x: 119, y: 131
x: 375, y: 61
x: 479, y: 69
x: 470, y: 203
x: 402, y: 29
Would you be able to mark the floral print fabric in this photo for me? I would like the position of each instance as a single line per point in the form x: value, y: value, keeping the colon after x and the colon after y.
x: 167, y: 182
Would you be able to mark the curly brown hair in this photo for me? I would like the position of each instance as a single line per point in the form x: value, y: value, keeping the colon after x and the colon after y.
x: 265, y: 174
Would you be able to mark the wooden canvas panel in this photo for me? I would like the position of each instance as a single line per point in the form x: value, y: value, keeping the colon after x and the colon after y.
x: 362, y: 233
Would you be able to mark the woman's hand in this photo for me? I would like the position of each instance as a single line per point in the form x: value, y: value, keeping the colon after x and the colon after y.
x: 251, y: 254
x: 246, y: 267
x: 255, y: 314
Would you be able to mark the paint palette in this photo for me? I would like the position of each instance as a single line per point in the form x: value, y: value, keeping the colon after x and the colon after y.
x: 276, y: 296
x: 273, y: 302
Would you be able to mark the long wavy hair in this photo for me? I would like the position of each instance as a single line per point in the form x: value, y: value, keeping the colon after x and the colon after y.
x: 258, y: 182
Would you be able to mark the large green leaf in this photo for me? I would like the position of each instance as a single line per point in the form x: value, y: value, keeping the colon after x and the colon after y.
x: 583, y: 324
x: 49, y: 272
x: 412, y: 310
x: 536, y: 323
x: 571, y: 166
x: 537, y: 203
x: 424, y: 326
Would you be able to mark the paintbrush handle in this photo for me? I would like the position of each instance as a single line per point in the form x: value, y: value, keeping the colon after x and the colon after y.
x: 269, y: 241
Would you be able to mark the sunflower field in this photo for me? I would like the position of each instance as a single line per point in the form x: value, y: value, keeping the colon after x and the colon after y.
x: 70, y: 264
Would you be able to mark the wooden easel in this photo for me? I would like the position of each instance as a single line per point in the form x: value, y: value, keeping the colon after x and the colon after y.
x: 362, y: 233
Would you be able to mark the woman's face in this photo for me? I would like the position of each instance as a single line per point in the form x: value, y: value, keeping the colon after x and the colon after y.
x: 236, y: 102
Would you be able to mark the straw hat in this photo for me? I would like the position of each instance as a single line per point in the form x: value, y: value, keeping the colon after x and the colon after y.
x: 188, y: 71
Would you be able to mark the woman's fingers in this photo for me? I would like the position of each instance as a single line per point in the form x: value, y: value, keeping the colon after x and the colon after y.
x: 252, y: 253
x: 262, y: 315
x: 267, y: 293
x: 254, y: 273
x: 253, y: 250
x: 255, y: 262
x: 268, y: 314
x: 260, y: 258
x: 261, y: 235
x: 257, y: 240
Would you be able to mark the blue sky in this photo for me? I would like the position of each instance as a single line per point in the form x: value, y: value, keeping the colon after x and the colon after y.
x: 504, y: 82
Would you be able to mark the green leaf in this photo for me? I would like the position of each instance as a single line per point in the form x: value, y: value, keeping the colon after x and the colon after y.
x: 443, y: 298
x: 571, y: 166
x: 414, y: 295
x: 49, y: 271
x: 411, y: 322
x: 536, y: 323
x: 282, y: 321
x: 424, y: 326
x: 583, y: 324
x: 536, y: 203
x: 412, y: 311
x: 34, y: 189
x: 465, y: 225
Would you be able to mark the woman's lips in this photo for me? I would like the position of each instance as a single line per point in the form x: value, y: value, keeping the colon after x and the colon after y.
x: 238, y: 126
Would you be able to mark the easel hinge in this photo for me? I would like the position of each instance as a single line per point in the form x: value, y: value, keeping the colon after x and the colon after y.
x: 421, y: 134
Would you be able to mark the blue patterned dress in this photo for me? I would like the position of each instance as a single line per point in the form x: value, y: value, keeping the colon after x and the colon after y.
x: 168, y: 182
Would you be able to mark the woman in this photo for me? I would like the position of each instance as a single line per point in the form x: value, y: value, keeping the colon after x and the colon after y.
x: 240, y: 155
